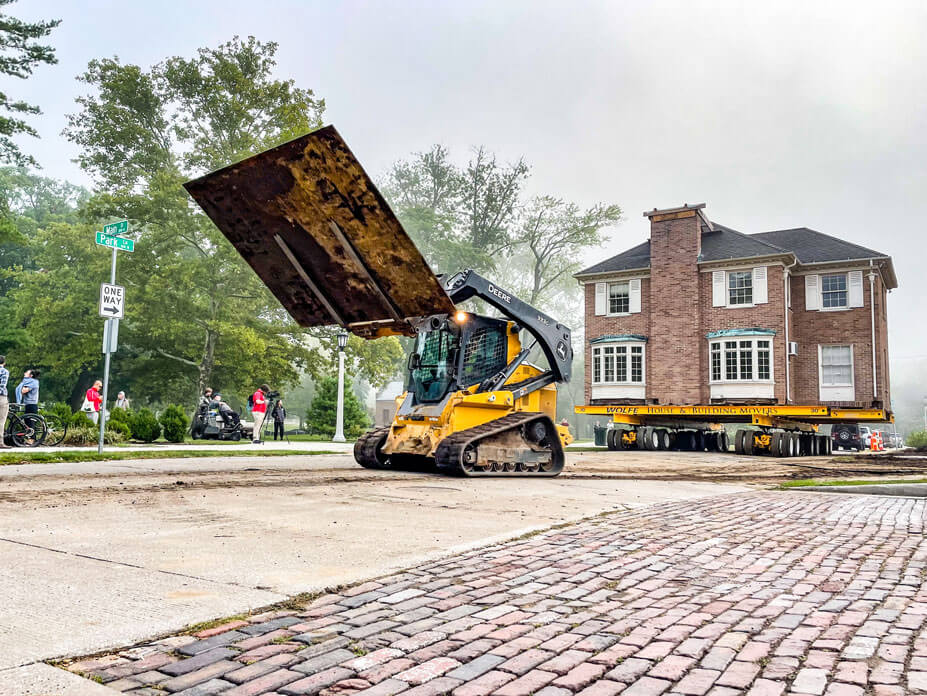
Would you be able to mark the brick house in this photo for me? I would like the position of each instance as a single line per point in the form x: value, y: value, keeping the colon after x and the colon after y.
x: 704, y: 314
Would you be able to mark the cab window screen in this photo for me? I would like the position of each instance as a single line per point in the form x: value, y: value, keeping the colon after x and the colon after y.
x: 484, y: 356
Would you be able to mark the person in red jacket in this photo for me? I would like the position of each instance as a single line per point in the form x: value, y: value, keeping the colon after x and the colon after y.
x: 259, y: 411
x: 95, y: 401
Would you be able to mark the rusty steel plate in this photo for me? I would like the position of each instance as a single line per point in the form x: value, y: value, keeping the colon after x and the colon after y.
x: 314, y: 227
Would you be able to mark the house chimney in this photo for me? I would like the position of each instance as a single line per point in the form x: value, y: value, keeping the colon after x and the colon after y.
x: 676, y: 345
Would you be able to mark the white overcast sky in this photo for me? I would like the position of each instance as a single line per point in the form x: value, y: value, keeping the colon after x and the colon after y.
x: 776, y: 115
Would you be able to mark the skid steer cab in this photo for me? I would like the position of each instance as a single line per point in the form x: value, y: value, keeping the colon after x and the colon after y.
x: 313, y: 226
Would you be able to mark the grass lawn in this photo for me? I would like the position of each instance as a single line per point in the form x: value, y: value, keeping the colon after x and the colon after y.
x: 26, y: 457
x: 804, y: 483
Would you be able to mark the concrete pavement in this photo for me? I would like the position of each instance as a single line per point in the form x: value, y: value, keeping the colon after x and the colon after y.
x: 104, y: 554
x: 763, y: 593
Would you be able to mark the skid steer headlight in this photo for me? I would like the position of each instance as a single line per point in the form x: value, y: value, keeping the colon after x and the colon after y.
x: 461, y: 317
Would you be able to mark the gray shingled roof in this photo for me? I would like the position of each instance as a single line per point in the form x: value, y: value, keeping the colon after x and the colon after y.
x: 810, y: 246
x: 722, y: 243
x: 635, y: 257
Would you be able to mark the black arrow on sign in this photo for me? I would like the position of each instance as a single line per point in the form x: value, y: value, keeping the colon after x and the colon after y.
x: 111, y: 310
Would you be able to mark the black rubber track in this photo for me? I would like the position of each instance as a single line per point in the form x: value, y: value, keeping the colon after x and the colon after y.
x: 448, y: 455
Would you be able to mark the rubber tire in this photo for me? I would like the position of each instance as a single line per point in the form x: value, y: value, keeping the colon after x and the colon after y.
x: 698, y: 441
x: 610, y: 439
x: 664, y: 437
x: 650, y: 439
x: 794, y: 449
x: 724, y: 444
x: 748, y: 442
x: 739, y: 441
x: 830, y: 446
x: 775, y: 447
x: 813, y: 445
x: 711, y: 441
x: 684, y: 441
x: 640, y: 438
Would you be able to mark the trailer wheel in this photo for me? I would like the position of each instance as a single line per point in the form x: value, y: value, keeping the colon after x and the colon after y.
x: 711, y: 441
x: 739, y: 442
x: 684, y: 441
x: 830, y: 446
x: 610, y: 439
x: 651, y: 439
x: 775, y: 446
x: 665, y: 442
x: 748, y: 442
x: 793, y: 445
x: 814, y: 445
x: 641, y: 434
x: 724, y: 443
x: 620, y: 444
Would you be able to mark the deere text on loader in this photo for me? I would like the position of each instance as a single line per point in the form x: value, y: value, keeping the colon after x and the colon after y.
x: 310, y: 222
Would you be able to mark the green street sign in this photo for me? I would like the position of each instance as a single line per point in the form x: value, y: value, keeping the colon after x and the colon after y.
x: 116, y: 228
x: 120, y: 243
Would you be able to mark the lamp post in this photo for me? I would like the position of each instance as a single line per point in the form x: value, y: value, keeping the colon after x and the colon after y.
x: 339, y: 415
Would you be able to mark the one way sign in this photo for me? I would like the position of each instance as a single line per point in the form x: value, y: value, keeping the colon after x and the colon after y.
x: 112, y: 301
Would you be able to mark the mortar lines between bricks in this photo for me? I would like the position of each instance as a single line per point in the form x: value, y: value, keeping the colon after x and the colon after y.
x: 760, y: 593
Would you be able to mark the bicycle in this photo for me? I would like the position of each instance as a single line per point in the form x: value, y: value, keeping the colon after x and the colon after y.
x: 26, y: 430
x: 56, y: 429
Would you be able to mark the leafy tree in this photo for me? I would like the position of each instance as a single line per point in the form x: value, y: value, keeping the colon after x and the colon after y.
x: 551, y: 236
x: 459, y: 217
x: 200, y: 315
x: 323, y: 411
x: 21, y: 54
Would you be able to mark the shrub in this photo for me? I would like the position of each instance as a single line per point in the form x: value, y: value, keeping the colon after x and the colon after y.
x: 120, y: 415
x: 123, y: 430
x: 144, y: 426
x: 80, y: 420
x: 89, y: 434
x: 175, y: 423
x: 917, y: 439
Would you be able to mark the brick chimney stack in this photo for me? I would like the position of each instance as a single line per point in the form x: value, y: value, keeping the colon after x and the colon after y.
x: 675, y: 346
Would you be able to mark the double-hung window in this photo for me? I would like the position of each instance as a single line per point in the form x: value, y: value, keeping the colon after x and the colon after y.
x: 740, y: 288
x: 834, y: 291
x: 836, y: 366
x: 741, y: 360
x: 619, y: 298
x: 621, y: 363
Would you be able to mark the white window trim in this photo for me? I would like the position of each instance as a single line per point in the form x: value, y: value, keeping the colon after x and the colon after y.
x: 743, y: 337
x: 628, y: 382
x: 608, y: 298
x: 852, y: 383
x: 844, y: 308
x: 727, y: 289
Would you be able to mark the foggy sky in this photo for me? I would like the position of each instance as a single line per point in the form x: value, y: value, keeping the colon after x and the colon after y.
x: 778, y: 115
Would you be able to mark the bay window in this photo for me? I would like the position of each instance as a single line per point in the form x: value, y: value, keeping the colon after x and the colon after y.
x: 618, y: 364
x: 741, y: 360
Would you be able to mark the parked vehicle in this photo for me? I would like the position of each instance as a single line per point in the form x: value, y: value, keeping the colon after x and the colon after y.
x: 850, y: 436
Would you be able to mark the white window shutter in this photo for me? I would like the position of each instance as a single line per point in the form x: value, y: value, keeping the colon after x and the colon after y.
x: 760, y: 294
x: 634, y: 295
x: 718, y: 290
x: 855, y: 285
x: 601, y: 298
x: 812, y: 292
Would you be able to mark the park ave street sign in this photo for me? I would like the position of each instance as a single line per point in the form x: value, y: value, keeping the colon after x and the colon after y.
x: 119, y: 242
x: 112, y: 301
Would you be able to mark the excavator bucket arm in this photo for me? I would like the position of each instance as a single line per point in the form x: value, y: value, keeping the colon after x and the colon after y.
x: 313, y: 226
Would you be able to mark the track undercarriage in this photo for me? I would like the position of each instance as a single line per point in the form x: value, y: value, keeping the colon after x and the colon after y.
x: 520, y: 444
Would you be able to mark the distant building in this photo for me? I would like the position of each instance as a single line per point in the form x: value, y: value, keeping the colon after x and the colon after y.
x: 704, y: 314
x: 385, y: 407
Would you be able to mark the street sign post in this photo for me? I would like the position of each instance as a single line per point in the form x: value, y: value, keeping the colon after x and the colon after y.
x: 120, y: 243
x: 112, y: 301
x: 112, y: 305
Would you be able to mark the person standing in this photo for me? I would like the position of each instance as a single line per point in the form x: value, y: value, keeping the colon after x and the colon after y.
x: 259, y: 412
x: 279, y: 416
x: 121, y: 401
x: 93, y: 402
x: 4, y: 399
x: 27, y: 391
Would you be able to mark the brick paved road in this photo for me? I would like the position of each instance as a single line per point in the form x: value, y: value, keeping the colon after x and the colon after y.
x: 766, y: 594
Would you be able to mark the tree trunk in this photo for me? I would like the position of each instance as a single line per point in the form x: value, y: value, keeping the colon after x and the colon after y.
x: 207, y: 362
x: 84, y: 380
